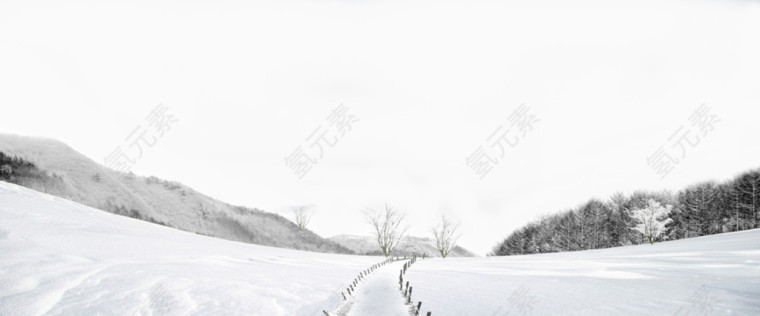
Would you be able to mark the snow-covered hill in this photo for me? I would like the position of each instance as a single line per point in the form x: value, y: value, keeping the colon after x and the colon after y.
x: 62, y: 258
x: 711, y: 275
x: 66, y: 173
x: 410, y: 246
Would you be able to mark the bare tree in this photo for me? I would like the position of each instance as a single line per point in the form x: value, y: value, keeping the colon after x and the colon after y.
x: 302, y: 215
x: 446, y: 235
x: 388, y: 226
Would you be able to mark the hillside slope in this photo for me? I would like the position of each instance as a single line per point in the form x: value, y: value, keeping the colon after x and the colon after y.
x: 411, y: 246
x: 59, y: 170
x: 58, y: 257
x: 711, y: 275
x: 62, y: 258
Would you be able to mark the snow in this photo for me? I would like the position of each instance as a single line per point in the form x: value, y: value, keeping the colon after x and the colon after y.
x: 60, y: 257
x: 711, y: 275
x: 379, y: 293
x: 410, y: 245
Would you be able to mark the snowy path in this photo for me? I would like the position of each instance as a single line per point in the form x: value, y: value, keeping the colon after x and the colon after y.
x: 379, y: 293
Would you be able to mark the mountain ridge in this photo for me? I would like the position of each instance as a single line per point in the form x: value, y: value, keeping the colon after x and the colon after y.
x: 51, y: 166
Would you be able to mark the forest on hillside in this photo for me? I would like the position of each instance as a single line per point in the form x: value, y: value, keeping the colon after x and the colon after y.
x: 69, y: 175
x: 701, y: 209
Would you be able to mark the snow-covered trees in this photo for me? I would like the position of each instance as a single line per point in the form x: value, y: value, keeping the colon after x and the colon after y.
x: 388, y: 227
x: 699, y: 203
x: 302, y: 216
x: 591, y: 224
x: 617, y: 221
x: 697, y: 210
x: 446, y: 235
x: 748, y: 187
x: 652, y: 219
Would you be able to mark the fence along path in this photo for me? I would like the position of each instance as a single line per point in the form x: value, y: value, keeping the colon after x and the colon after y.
x: 379, y: 295
x: 374, y: 292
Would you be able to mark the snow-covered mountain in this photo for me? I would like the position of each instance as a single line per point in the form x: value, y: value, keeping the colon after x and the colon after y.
x: 410, y: 246
x: 53, y: 167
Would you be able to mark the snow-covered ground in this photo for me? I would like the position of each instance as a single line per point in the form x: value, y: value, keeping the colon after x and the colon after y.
x: 379, y: 293
x: 712, y: 275
x: 59, y: 257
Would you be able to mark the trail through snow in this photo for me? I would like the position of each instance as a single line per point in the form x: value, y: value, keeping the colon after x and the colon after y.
x: 379, y: 293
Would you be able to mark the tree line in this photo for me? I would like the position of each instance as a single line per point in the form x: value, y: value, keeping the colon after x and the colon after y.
x: 25, y: 173
x: 389, y: 228
x: 701, y: 209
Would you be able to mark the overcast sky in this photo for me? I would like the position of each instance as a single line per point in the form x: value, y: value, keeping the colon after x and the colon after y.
x: 427, y: 83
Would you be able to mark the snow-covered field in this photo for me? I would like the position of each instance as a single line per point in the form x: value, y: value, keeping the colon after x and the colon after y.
x: 712, y: 275
x: 379, y: 294
x: 59, y: 257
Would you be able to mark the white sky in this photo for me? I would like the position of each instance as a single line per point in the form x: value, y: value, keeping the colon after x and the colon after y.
x: 429, y: 81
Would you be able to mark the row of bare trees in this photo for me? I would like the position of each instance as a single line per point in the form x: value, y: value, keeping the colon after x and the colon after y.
x: 389, y: 228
